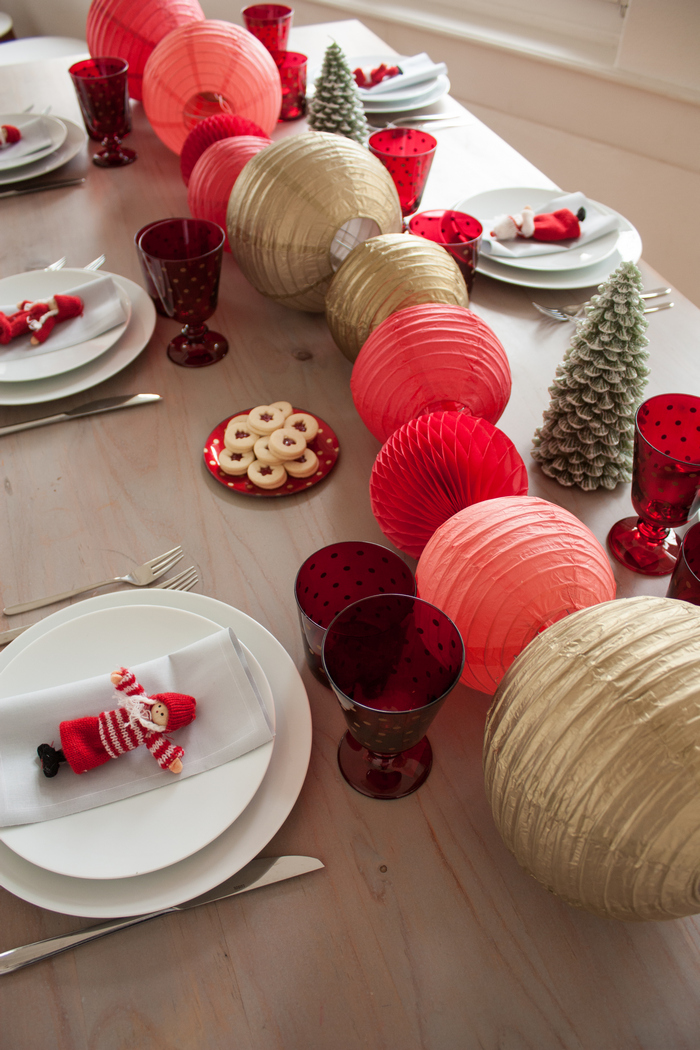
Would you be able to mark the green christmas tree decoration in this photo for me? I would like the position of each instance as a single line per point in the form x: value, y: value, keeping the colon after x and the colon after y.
x: 336, y: 106
x: 587, y: 435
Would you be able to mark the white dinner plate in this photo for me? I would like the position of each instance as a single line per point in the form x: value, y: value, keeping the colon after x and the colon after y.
x: 75, y: 140
x: 138, y: 332
x: 407, y: 94
x: 242, y: 840
x: 439, y: 88
x: 41, y: 362
x: 52, y: 126
x: 415, y: 97
x: 150, y: 830
x: 511, y: 200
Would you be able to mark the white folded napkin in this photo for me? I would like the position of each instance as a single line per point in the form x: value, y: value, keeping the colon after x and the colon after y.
x: 230, y: 721
x: 35, y: 137
x: 102, y: 309
x: 414, y: 70
x: 596, y: 224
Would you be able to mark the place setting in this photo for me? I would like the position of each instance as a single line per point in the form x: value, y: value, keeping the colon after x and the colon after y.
x: 32, y: 145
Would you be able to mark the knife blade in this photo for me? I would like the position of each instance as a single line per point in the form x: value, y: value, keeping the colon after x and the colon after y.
x: 92, y: 408
x: 263, y: 871
x: 40, y: 189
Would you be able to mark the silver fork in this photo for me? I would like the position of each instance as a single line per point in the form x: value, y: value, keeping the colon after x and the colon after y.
x: 96, y: 263
x: 573, y: 313
x: 184, y: 581
x: 58, y: 265
x: 140, y: 577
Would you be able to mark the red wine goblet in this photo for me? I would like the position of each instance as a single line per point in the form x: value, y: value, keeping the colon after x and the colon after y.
x: 665, y: 482
x: 407, y: 154
x: 101, y: 85
x: 392, y: 660
x: 685, y: 582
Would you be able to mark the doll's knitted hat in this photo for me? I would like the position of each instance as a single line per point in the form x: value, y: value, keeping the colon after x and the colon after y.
x: 181, y: 709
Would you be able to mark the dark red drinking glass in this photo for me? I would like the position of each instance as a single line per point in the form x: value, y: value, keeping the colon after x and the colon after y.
x: 335, y: 577
x: 391, y: 659
x: 292, y: 71
x: 665, y: 482
x: 183, y: 260
x: 147, y: 280
x: 458, y: 233
x: 685, y: 582
x: 407, y: 154
x: 270, y: 23
x: 101, y: 85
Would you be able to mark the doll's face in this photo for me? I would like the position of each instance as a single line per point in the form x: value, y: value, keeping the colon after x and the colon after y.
x: 159, y: 714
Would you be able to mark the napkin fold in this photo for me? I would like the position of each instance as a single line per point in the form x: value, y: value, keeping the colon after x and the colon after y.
x: 414, y: 70
x: 231, y: 720
x: 103, y: 309
x: 596, y: 224
x: 35, y: 137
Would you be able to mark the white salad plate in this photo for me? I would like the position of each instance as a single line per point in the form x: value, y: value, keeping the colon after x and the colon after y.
x: 153, y: 829
x: 42, y: 362
x: 75, y: 140
x: 51, y: 126
x: 242, y: 840
x: 438, y: 88
x: 136, y: 336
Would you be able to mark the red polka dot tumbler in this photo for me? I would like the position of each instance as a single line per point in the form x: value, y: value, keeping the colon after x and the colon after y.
x: 407, y: 154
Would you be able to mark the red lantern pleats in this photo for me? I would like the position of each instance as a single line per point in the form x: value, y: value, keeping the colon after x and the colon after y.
x: 506, y: 569
x: 209, y: 67
x: 436, y: 465
x: 130, y: 29
x: 425, y: 357
x: 215, y: 173
x: 210, y: 130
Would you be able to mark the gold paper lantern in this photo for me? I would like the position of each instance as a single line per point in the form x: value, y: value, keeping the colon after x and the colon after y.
x: 299, y: 207
x: 386, y: 274
x: 592, y: 759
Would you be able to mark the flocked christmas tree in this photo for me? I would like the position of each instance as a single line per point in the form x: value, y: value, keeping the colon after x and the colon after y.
x: 587, y: 436
x: 336, y: 106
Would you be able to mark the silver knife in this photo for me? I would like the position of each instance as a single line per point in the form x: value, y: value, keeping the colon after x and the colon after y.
x: 262, y: 871
x: 43, y: 186
x: 92, y: 408
x: 14, y: 632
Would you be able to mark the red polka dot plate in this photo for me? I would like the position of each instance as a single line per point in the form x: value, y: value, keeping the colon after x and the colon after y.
x: 325, y: 445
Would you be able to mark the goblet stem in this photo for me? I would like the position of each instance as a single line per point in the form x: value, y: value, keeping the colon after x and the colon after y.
x: 648, y: 549
x: 197, y: 347
x: 113, y: 154
x: 379, y: 775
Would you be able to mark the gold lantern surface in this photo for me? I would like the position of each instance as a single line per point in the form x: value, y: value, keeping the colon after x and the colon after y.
x: 592, y: 759
x: 296, y: 211
x: 386, y: 274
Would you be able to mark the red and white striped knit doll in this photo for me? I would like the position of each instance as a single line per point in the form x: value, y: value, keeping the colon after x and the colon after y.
x: 141, y: 719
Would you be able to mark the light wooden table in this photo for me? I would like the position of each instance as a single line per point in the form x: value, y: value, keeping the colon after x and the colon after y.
x: 422, y: 931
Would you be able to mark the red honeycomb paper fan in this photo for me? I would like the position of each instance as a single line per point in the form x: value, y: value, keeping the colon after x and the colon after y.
x: 210, y: 130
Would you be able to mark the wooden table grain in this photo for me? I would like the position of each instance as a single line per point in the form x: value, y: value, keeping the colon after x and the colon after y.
x: 421, y: 932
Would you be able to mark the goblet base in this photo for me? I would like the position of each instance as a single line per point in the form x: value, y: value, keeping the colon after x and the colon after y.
x: 115, y: 158
x: 646, y: 555
x: 197, y: 351
x: 384, y: 776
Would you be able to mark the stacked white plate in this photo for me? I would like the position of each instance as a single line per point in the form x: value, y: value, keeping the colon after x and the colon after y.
x: 58, y: 142
x: 46, y: 374
x: 402, y: 99
x: 155, y: 850
x: 575, y: 267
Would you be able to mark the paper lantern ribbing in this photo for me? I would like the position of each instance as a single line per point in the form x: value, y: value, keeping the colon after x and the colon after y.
x: 386, y: 274
x: 130, y: 29
x: 435, y: 465
x: 504, y: 570
x: 210, y: 130
x: 215, y: 173
x: 289, y: 204
x: 426, y: 356
x: 207, y: 61
x: 592, y: 759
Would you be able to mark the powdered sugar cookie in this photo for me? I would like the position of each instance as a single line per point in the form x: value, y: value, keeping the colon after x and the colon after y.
x: 285, y: 407
x: 239, y: 436
x: 267, y: 475
x: 235, y: 463
x: 304, y: 467
x: 286, y: 444
x: 262, y: 452
x: 304, y: 424
x: 265, y: 418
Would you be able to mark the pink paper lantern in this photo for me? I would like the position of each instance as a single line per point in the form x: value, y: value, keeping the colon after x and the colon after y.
x: 130, y: 29
x: 215, y: 173
x: 204, y: 68
x: 428, y: 357
x: 210, y: 130
x: 506, y: 569
x: 432, y: 467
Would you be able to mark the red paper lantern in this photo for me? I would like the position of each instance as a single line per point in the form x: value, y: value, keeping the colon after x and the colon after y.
x: 435, y: 465
x: 210, y: 130
x: 506, y: 569
x: 429, y: 356
x: 215, y: 173
x: 205, y: 68
x: 130, y: 29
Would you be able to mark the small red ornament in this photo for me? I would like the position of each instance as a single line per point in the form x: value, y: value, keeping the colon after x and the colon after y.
x: 212, y: 129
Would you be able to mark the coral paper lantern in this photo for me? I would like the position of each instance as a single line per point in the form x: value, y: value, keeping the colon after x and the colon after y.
x: 215, y: 173
x: 506, y: 569
x: 210, y: 130
x: 294, y: 207
x: 592, y: 759
x: 386, y: 274
x: 428, y: 356
x: 432, y: 467
x: 209, y: 64
x: 130, y: 29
